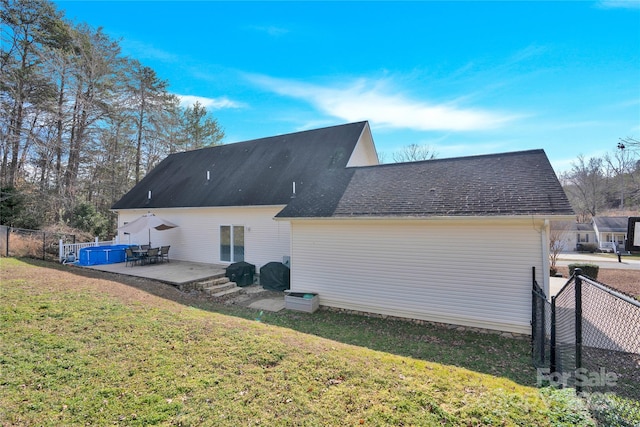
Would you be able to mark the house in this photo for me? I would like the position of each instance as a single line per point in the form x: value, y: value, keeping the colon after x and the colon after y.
x: 601, y: 234
x: 445, y: 240
x: 611, y: 232
x: 224, y: 198
x: 449, y: 240
x: 574, y: 236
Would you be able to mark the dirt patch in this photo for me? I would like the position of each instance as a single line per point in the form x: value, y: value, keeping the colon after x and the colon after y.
x: 625, y: 281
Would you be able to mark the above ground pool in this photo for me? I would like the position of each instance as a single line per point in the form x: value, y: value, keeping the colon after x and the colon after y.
x: 96, y: 255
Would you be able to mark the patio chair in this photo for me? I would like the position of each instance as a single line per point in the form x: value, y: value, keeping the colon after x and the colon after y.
x: 130, y: 257
x: 164, y: 253
x: 152, y: 255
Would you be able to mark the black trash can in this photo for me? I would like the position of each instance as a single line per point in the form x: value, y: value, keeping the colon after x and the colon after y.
x: 241, y: 272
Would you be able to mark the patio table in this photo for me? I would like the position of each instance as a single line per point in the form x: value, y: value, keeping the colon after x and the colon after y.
x: 144, y: 254
x: 141, y: 253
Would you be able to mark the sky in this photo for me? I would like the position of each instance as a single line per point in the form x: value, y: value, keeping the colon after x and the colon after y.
x: 464, y: 78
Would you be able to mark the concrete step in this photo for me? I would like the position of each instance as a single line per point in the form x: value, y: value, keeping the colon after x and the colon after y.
x: 228, y: 293
x: 216, y: 281
x: 215, y: 288
x: 200, y: 284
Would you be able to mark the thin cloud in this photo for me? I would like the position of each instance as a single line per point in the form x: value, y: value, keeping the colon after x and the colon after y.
x: 619, y: 4
x: 271, y: 30
x: 147, y: 51
x: 372, y: 100
x: 456, y: 150
x: 211, y: 103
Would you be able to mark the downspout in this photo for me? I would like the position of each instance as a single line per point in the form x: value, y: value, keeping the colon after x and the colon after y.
x: 545, y: 257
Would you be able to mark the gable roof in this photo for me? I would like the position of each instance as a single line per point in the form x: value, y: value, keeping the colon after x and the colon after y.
x: 572, y: 226
x: 519, y: 183
x: 257, y: 172
x: 617, y: 224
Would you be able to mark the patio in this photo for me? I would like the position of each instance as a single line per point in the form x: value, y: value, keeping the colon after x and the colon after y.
x: 175, y: 273
x: 180, y: 273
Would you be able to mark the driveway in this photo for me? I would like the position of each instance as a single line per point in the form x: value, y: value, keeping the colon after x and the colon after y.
x: 603, y: 261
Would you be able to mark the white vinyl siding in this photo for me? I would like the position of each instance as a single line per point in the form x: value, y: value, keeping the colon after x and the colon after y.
x: 198, y: 236
x: 473, y: 273
x: 364, y: 153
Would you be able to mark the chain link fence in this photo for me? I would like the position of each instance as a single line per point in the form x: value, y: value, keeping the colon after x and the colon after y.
x: 563, y: 353
x: 21, y: 242
x: 540, y: 327
x: 610, y: 340
x: 590, y: 338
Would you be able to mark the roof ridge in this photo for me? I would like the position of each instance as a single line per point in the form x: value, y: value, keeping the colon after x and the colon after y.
x: 256, y: 140
x: 456, y: 159
x: 255, y: 172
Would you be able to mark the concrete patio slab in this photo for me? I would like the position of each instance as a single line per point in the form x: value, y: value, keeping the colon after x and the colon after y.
x: 269, y: 304
x: 555, y: 284
x: 175, y: 273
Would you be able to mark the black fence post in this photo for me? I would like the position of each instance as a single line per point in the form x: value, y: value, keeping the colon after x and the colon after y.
x: 552, y: 347
x: 8, y: 232
x: 578, y: 290
x: 534, y: 320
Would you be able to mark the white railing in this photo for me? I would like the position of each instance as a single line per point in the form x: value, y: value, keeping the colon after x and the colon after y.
x: 68, y: 252
x: 607, y: 246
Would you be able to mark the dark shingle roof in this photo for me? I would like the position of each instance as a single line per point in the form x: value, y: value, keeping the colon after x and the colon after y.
x: 611, y: 223
x: 572, y: 226
x: 257, y: 172
x: 520, y: 183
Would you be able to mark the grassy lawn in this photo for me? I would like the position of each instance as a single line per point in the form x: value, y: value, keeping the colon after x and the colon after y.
x: 79, y: 350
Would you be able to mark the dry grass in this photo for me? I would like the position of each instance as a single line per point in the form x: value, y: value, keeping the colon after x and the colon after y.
x: 25, y: 246
x: 625, y: 281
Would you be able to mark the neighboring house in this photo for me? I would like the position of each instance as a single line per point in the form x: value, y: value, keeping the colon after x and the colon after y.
x: 574, y: 236
x: 611, y: 232
x: 451, y: 240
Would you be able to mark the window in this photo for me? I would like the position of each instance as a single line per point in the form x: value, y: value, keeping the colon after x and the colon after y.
x: 583, y: 238
x: 231, y: 243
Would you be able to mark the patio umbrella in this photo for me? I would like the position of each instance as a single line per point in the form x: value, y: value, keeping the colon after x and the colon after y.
x: 147, y: 222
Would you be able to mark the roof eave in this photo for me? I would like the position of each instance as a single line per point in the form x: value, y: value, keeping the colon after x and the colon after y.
x: 433, y: 218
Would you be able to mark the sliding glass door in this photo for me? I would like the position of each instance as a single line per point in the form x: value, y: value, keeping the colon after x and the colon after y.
x: 231, y: 243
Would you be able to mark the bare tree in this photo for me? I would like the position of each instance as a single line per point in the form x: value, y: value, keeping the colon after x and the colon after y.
x: 631, y: 178
x: 80, y: 123
x: 414, y: 153
x: 558, y: 234
x: 93, y: 86
x: 620, y: 165
x: 23, y: 86
x: 149, y: 102
x: 585, y: 185
x: 630, y: 143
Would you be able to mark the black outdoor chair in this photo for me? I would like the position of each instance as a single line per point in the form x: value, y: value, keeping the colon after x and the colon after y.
x: 152, y: 255
x: 164, y: 253
x: 130, y: 257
